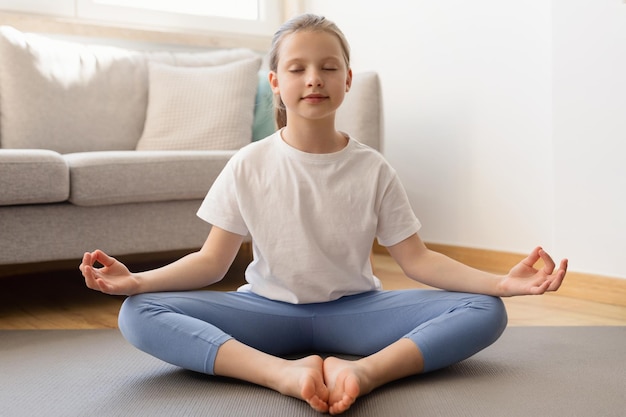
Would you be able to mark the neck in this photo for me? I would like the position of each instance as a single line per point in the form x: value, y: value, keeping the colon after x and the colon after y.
x: 314, y: 137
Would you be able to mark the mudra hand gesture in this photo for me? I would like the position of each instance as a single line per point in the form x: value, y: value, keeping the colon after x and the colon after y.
x: 112, y: 278
x: 525, y: 279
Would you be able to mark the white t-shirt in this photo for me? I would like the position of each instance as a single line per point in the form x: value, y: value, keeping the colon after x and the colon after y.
x: 312, y: 217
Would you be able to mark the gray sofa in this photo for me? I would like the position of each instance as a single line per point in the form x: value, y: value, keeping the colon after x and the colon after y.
x: 113, y: 148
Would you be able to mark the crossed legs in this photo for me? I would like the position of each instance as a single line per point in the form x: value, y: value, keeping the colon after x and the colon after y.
x: 397, y: 334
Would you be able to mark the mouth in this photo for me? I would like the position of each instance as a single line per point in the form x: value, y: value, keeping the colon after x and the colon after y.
x: 314, y: 97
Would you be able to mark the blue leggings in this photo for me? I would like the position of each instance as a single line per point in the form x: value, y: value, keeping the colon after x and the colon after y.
x: 187, y: 328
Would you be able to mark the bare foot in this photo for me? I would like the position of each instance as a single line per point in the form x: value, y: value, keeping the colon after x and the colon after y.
x: 304, y: 379
x: 346, y: 381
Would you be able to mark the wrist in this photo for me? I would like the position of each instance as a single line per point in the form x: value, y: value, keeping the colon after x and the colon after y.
x: 500, y: 287
x: 138, y: 286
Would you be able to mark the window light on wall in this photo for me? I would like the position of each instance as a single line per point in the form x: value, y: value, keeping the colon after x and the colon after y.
x: 253, y: 17
x: 235, y: 9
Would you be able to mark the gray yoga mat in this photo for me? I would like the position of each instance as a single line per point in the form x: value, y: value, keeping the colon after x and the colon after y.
x: 530, y: 371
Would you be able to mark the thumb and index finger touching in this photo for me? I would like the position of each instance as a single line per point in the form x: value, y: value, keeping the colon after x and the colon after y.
x: 90, y: 258
x: 548, y: 263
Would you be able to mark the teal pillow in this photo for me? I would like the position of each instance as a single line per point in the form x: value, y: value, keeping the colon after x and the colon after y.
x: 263, y: 124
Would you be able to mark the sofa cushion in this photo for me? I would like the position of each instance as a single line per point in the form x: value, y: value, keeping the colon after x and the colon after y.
x: 32, y: 176
x: 264, y: 123
x: 206, y: 108
x: 72, y: 97
x: 103, y: 178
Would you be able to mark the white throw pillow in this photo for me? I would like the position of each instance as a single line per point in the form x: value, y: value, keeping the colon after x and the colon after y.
x: 201, y: 108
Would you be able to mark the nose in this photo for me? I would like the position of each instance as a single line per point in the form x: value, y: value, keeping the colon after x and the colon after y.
x: 314, y: 79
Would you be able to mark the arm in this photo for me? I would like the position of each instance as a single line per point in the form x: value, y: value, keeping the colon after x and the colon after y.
x: 196, y: 270
x: 437, y: 270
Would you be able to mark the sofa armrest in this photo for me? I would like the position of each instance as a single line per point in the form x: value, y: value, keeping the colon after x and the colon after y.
x: 361, y: 114
x: 32, y: 176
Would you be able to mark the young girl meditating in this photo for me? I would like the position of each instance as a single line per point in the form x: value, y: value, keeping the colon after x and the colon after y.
x: 313, y: 199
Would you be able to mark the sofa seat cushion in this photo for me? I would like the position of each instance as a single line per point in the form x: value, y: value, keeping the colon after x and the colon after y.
x: 118, y: 177
x: 29, y: 176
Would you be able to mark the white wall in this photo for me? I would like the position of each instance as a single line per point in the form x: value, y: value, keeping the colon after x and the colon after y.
x: 505, y: 120
x: 590, y: 132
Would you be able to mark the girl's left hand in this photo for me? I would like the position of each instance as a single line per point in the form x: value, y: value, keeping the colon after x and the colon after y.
x: 525, y: 279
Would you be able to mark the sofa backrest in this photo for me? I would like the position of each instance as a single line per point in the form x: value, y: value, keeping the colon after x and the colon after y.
x: 72, y: 97
x: 77, y: 97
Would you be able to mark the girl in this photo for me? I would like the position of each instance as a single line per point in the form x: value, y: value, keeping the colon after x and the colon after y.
x: 313, y: 199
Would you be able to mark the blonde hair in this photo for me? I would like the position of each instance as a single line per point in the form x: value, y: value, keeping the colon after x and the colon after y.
x: 310, y: 22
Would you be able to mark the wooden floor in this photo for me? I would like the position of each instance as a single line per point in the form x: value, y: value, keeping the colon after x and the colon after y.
x: 59, y: 300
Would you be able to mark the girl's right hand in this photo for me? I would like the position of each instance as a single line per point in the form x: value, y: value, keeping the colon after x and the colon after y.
x: 113, y: 278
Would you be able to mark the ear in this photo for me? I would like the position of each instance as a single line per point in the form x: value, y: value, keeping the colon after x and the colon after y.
x: 349, y: 80
x: 273, y: 79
